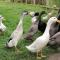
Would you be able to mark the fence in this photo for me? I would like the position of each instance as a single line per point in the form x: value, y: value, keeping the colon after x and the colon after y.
x: 41, y: 2
x: 30, y: 1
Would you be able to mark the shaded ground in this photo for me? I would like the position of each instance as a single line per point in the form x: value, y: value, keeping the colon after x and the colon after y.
x: 55, y: 56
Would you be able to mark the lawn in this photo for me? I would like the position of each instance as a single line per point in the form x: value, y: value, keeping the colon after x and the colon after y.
x: 11, y: 12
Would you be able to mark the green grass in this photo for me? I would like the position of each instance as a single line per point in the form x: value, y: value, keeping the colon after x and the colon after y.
x: 11, y: 12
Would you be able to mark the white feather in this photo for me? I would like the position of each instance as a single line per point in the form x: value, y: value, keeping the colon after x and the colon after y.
x: 2, y: 26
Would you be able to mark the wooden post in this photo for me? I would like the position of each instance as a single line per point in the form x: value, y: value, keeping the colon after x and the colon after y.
x: 47, y: 2
x: 21, y: 1
x: 34, y: 1
x: 31, y: 1
x: 26, y: 1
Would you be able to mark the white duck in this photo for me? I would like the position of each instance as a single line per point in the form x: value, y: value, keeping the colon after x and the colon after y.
x: 2, y: 26
x: 17, y: 33
x: 42, y: 41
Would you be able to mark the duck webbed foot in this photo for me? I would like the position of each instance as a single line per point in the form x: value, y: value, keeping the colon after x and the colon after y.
x: 40, y: 55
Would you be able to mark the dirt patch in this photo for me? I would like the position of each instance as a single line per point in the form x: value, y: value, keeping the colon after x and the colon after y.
x: 55, y: 56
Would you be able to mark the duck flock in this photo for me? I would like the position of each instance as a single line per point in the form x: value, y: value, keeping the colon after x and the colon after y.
x: 49, y: 25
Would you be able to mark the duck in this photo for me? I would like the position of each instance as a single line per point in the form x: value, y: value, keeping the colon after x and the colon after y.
x: 55, y: 27
x: 38, y: 45
x: 2, y: 26
x: 43, y: 20
x: 54, y: 35
x: 34, y: 27
x: 55, y: 41
x: 17, y: 33
x: 37, y: 23
x: 41, y: 24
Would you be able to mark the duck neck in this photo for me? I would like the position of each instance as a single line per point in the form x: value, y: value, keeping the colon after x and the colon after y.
x: 0, y: 22
x: 20, y: 22
x: 47, y: 28
x: 34, y: 19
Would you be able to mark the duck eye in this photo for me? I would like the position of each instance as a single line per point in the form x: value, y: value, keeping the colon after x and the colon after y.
x: 54, y: 18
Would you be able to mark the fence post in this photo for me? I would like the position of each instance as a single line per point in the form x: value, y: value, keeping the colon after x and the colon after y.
x: 26, y: 1
x: 34, y: 2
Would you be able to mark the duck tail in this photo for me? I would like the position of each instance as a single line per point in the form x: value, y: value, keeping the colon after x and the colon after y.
x: 28, y: 48
x: 9, y: 39
x: 8, y: 42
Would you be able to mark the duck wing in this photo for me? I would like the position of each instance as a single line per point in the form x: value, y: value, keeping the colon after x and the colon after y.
x: 54, y: 29
x: 54, y: 40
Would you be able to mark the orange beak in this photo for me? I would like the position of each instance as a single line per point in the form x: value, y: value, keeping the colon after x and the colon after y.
x: 58, y: 21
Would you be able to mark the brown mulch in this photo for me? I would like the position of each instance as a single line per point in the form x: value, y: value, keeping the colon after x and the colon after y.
x: 55, y: 56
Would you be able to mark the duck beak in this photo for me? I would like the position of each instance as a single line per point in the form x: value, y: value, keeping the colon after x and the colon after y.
x: 58, y: 21
x: 58, y: 18
x: 31, y: 13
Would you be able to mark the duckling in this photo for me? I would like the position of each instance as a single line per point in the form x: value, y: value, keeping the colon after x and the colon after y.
x: 17, y: 33
x: 55, y: 27
x: 43, y: 40
x: 2, y: 26
x: 43, y: 20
